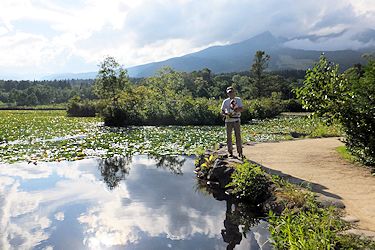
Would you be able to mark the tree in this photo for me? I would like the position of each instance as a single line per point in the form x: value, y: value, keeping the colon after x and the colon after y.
x: 358, y: 117
x: 348, y: 98
x: 112, y: 78
x: 257, y: 69
x: 325, y: 91
x: 201, y: 87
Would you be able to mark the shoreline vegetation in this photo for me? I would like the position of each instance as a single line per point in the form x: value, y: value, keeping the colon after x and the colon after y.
x: 297, y: 220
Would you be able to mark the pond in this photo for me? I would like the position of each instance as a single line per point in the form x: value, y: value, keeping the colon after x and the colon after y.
x: 138, y: 202
x: 51, y: 136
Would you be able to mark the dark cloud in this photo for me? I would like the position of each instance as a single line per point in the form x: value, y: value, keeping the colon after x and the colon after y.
x: 153, y: 30
x: 206, y: 22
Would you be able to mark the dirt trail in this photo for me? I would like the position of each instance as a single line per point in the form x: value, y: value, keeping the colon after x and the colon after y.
x: 317, y: 162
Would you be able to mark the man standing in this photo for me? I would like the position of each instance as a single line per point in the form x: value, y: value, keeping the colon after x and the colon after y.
x: 231, y: 109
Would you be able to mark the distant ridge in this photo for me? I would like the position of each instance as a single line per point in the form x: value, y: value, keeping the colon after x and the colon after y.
x: 69, y: 76
x: 238, y: 56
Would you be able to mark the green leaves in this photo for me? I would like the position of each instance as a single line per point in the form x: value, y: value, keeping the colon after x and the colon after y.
x: 324, y: 90
x: 112, y: 78
x: 249, y: 182
x: 315, y: 228
x: 348, y: 98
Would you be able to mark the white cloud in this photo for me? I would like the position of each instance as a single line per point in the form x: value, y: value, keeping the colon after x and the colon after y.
x: 27, y: 215
x: 75, y: 35
x: 59, y: 216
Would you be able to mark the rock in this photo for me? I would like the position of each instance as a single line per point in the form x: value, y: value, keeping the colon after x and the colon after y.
x: 213, y: 183
x: 273, y: 204
x: 361, y: 232
x: 222, y: 152
x: 329, y: 201
x: 350, y: 219
x: 229, y: 191
x: 234, y: 160
x: 209, y: 152
x: 220, y: 173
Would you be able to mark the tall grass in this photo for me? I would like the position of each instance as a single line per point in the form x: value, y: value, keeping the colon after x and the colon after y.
x: 313, y: 229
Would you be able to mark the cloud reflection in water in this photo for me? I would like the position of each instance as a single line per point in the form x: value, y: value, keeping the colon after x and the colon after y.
x: 94, y: 204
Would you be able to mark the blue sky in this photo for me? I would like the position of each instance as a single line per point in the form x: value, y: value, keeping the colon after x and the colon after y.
x: 41, y: 37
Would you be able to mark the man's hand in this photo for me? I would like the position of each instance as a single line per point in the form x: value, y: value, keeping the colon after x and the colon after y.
x: 226, y: 114
x: 238, y: 109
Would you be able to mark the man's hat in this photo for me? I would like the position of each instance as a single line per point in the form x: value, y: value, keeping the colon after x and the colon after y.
x: 230, y: 89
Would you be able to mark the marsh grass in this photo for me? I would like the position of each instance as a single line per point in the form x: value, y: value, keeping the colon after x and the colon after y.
x: 315, y: 228
x: 322, y: 130
x: 294, y: 196
x: 303, y: 224
x: 345, y: 154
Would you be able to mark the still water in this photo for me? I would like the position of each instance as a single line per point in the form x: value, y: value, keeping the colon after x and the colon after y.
x: 140, y: 202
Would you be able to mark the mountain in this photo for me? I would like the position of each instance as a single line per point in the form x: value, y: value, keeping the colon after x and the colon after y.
x: 238, y: 56
x: 226, y: 58
x: 85, y: 75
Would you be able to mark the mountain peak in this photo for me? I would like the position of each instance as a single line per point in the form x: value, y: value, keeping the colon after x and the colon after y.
x: 238, y: 56
x: 262, y: 41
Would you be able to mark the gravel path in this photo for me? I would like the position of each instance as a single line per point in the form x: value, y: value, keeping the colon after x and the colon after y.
x: 316, y: 162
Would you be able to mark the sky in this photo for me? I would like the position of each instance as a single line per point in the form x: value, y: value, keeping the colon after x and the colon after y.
x: 42, y: 37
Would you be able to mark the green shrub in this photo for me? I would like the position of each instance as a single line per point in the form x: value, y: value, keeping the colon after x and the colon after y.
x: 144, y: 105
x: 359, y: 117
x: 321, y: 129
x: 265, y: 107
x: 114, y: 116
x: 250, y: 183
x: 348, y: 98
x: 292, y: 105
x: 81, y: 108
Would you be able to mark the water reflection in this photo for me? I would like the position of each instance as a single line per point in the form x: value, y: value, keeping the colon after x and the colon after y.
x: 170, y: 162
x: 114, y: 169
x: 134, y: 205
x: 240, y: 219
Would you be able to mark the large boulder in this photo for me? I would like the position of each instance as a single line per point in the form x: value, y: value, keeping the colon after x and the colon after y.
x: 221, y: 173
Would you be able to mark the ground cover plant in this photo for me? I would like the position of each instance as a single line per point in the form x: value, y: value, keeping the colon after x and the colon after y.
x: 52, y: 136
